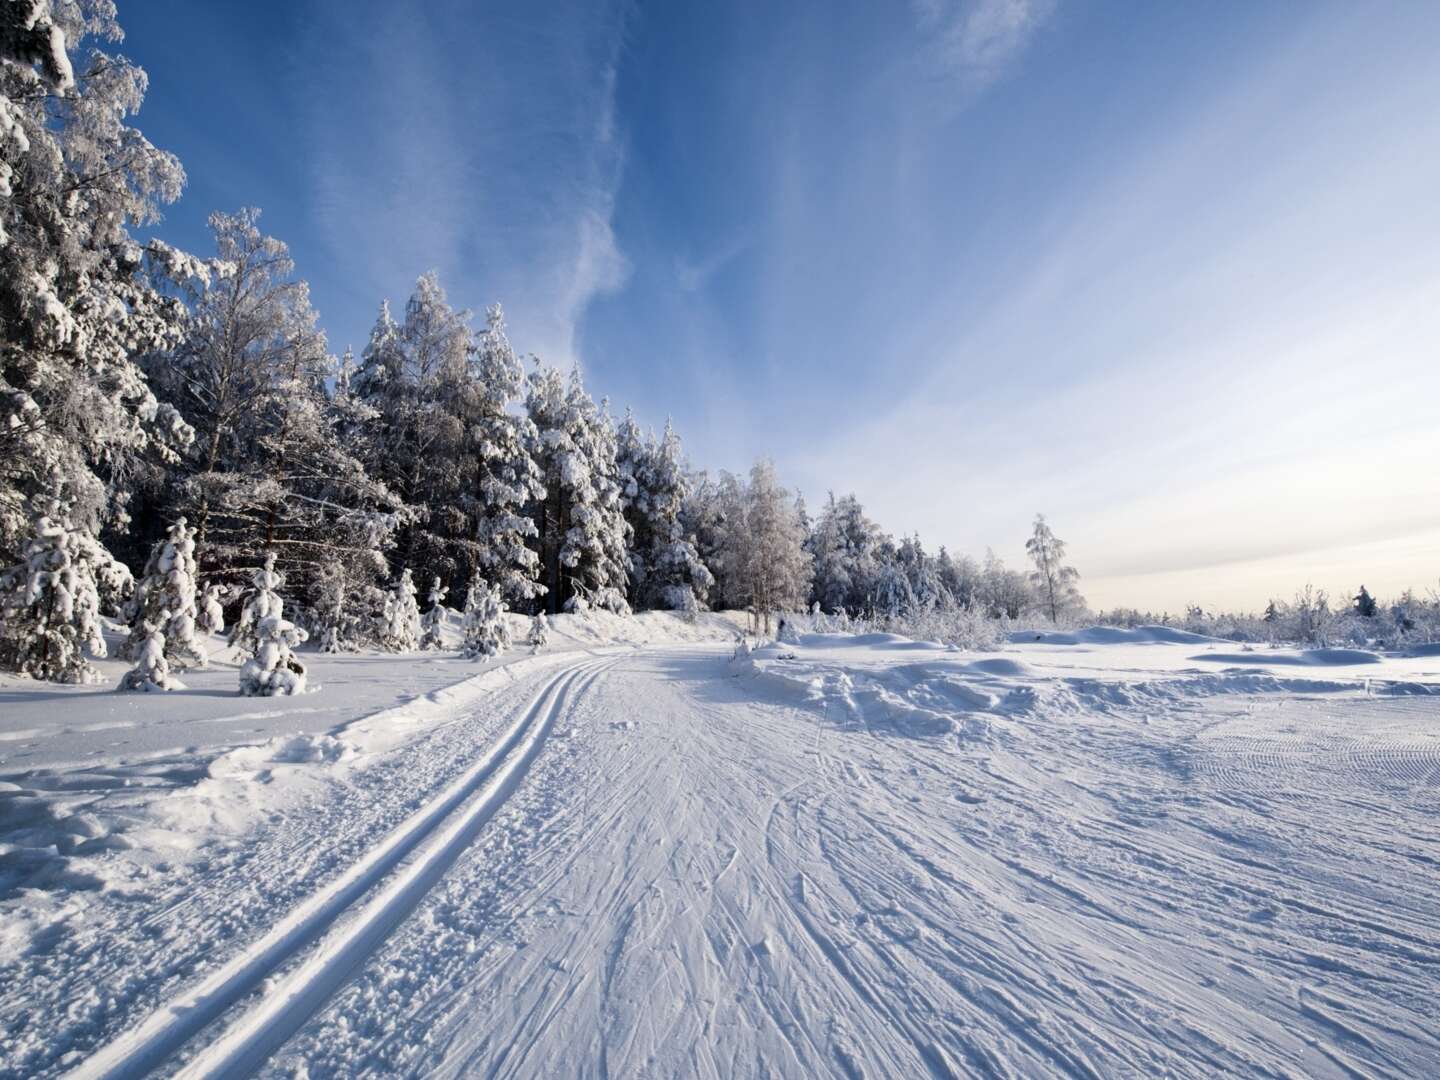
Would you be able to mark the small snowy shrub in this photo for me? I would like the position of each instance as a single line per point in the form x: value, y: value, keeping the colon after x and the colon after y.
x: 539, y: 632
x: 168, y: 589
x: 272, y: 668
x: 151, y: 670
x: 400, y: 629
x: 487, y: 634
x: 434, y: 621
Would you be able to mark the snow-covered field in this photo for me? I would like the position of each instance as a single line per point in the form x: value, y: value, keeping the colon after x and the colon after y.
x: 1105, y: 853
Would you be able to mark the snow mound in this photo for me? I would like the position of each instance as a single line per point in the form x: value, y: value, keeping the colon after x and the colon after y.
x: 282, y: 750
x: 865, y: 641
x: 1111, y: 635
x: 1430, y: 648
x: 1292, y: 658
x: 916, y: 700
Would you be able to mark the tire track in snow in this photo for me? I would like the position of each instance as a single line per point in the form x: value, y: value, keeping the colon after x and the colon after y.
x: 435, y: 831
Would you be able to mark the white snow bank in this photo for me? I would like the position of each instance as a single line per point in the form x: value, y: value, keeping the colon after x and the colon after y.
x: 1305, y: 657
x: 1112, y: 635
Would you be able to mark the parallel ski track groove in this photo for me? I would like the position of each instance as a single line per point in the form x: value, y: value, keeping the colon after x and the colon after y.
x: 451, y: 820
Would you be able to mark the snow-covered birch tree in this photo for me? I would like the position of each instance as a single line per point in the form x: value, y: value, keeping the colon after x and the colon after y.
x: 1054, y: 581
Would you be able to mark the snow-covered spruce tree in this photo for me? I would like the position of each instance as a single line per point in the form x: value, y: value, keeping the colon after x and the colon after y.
x: 165, y: 602
x: 666, y: 570
x: 845, y: 548
x: 702, y: 516
x: 429, y: 428
x: 1365, y: 605
x: 1053, y: 580
x: 271, y: 668
x: 433, y: 622
x: 960, y: 578
x: 270, y: 470
x: 764, y: 549
x: 401, y: 629
x: 539, y: 632
x: 151, y: 670
x: 509, y: 480
x: 49, y: 606
x: 210, y: 610
x: 580, y: 527
x: 487, y: 633
x: 78, y: 296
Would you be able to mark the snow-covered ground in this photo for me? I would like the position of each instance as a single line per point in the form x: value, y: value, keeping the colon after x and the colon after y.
x: 1104, y: 853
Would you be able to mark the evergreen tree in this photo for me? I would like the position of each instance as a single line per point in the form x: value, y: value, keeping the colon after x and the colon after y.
x: 151, y: 670
x: 434, y: 620
x: 509, y: 480
x: 487, y: 633
x: 1365, y: 605
x: 164, y: 605
x: 581, y: 531
x: 79, y: 297
x: 272, y: 668
x: 844, y: 547
x: 539, y: 632
x: 427, y: 440
x: 210, y: 610
x: 49, y: 605
x: 665, y: 568
x: 400, y: 631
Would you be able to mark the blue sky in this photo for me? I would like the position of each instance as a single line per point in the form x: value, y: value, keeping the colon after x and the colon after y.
x: 1167, y: 272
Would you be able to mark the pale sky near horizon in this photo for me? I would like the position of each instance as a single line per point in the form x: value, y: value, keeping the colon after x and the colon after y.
x: 1168, y: 272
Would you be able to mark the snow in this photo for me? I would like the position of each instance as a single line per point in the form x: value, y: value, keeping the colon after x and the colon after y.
x: 645, y: 850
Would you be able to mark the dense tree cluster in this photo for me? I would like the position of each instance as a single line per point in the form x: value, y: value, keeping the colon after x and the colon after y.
x: 186, y: 417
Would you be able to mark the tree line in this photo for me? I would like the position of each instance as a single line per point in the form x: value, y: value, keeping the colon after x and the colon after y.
x: 184, y: 416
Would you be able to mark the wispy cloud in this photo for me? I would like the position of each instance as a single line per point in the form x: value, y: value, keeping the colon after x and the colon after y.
x: 438, y: 142
x: 975, y: 42
x: 694, y: 274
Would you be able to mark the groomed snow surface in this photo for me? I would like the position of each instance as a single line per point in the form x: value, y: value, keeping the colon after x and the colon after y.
x: 644, y: 851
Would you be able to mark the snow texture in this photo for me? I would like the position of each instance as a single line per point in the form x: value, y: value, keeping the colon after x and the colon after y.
x: 844, y: 855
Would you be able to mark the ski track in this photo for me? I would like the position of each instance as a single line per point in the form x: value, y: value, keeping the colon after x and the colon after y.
x: 734, y: 887
x: 655, y: 869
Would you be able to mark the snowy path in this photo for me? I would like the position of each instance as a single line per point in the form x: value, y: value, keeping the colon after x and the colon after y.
x: 637, y: 863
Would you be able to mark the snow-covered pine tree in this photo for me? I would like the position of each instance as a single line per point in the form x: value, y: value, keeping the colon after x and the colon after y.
x: 433, y: 622
x: 401, y: 629
x: 49, y: 606
x: 922, y: 576
x: 580, y: 526
x: 845, y: 547
x: 666, y: 570
x: 271, y: 669
x: 539, y: 632
x: 80, y: 298
x: 1053, y: 580
x: 427, y: 436
x: 702, y: 516
x: 487, y: 633
x: 151, y: 670
x: 165, y: 602
x: 329, y: 611
x: 960, y: 578
x: 509, y: 480
x: 1365, y: 605
x: 210, y: 610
